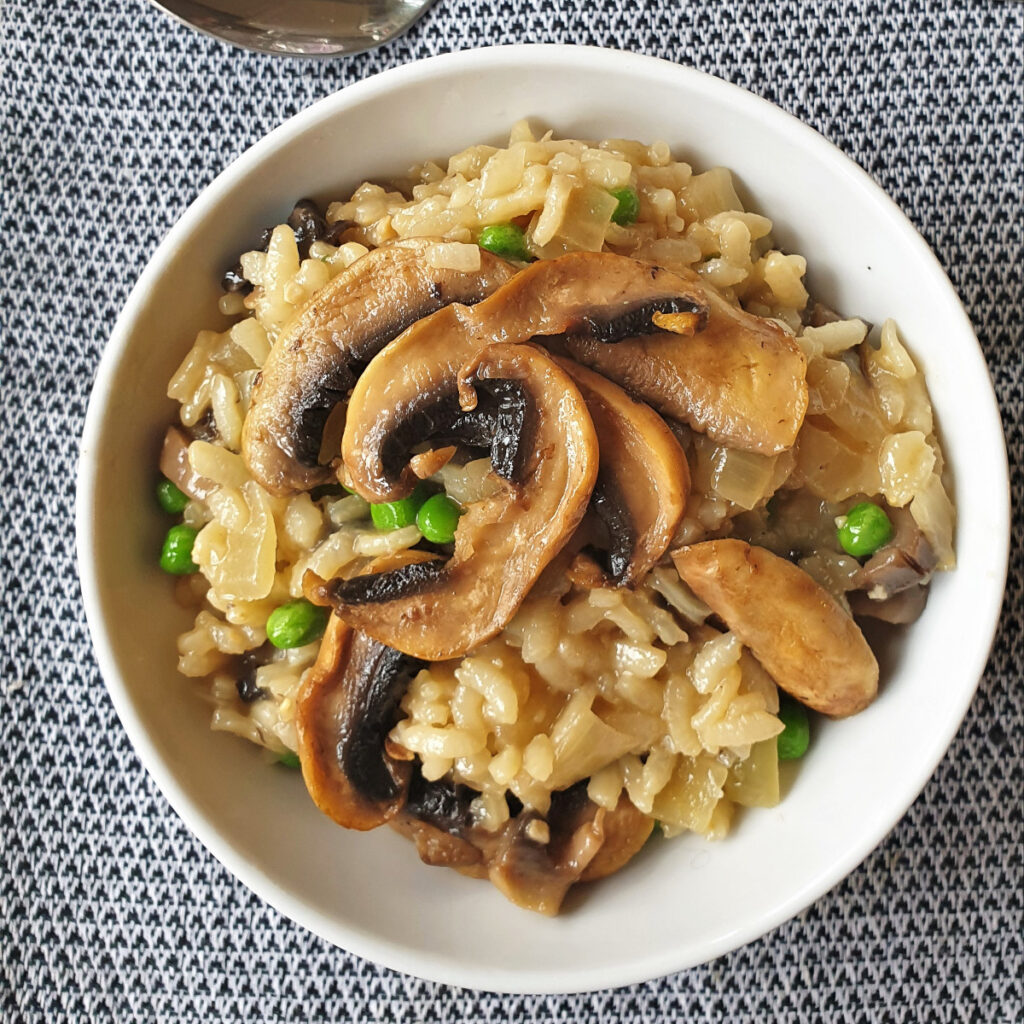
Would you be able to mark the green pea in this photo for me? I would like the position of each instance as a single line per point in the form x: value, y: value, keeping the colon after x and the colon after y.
x: 289, y: 759
x: 176, y: 556
x: 629, y: 206
x: 296, y: 624
x: 795, y: 738
x: 170, y: 498
x: 438, y: 518
x: 393, y: 515
x: 504, y: 240
x: 864, y: 530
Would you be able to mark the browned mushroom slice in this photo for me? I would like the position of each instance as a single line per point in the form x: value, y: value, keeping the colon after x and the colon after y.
x: 642, y: 481
x: 741, y: 380
x: 536, y: 875
x: 436, y: 817
x: 438, y: 848
x: 346, y: 707
x: 795, y: 628
x: 321, y: 351
x: 532, y: 860
x: 583, y: 843
x: 411, y: 386
x: 626, y: 830
x: 543, y: 445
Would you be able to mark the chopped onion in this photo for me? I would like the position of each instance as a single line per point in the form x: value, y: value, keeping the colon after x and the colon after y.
x: 933, y: 512
x: 905, y: 462
x: 754, y: 782
x: 744, y: 478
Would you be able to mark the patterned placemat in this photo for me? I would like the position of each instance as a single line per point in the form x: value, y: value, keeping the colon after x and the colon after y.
x: 114, y: 119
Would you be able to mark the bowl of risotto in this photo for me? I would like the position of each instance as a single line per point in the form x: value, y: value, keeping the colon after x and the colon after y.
x: 542, y: 517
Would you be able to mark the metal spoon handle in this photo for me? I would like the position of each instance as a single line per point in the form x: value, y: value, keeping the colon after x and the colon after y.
x: 312, y: 28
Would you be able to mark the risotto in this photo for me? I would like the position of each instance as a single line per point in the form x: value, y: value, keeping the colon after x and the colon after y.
x: 514, y: 492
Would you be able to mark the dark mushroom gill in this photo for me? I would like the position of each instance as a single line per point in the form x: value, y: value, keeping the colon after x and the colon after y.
x: 498, y: 426
x: 440, y: 610
x: 643, y: 479
x: 321, y: 352
x: 534, y: 867
x: 347, y: 706
x: 740, y: 380
x: 419, y: 371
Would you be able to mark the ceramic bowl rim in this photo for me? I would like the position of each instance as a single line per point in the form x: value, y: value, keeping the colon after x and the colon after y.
x: 359, y: 941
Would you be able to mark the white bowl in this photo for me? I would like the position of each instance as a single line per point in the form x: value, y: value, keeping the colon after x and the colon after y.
x: 681, y: 902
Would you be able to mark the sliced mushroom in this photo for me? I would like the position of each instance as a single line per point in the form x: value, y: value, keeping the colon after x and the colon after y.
x: 626, y: 830
x: 409, y: 390
x: 819, y: 314
x: 175, y: 466
x: 438, y: 848
x: 643, y: 479
x: 545, y: 452
x: 906, y: 561
x: 741, y: 380
x: 795, y: 628
x: 436, y: 818
x: 585, y: 843
x: 347, y: 706
x: 533, y: 860
x: 537, y: 875
x: 321, y: 351
x: 892, y: 585
x: 898, y: 610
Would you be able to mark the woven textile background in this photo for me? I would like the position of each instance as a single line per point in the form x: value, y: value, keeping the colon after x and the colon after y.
x: 114, y: 119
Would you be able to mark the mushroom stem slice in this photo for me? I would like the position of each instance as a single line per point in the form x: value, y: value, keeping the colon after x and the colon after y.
x: 411, y: 386
x: 321, y: 351
x: 741, y: 380
x: 794, y: 627
x: 438, y: 610
x: 346, y: 707
x: 586, y: 843
x: 643, y: 479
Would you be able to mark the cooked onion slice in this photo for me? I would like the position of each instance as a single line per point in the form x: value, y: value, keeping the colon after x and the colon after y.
x: 677, y: 323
